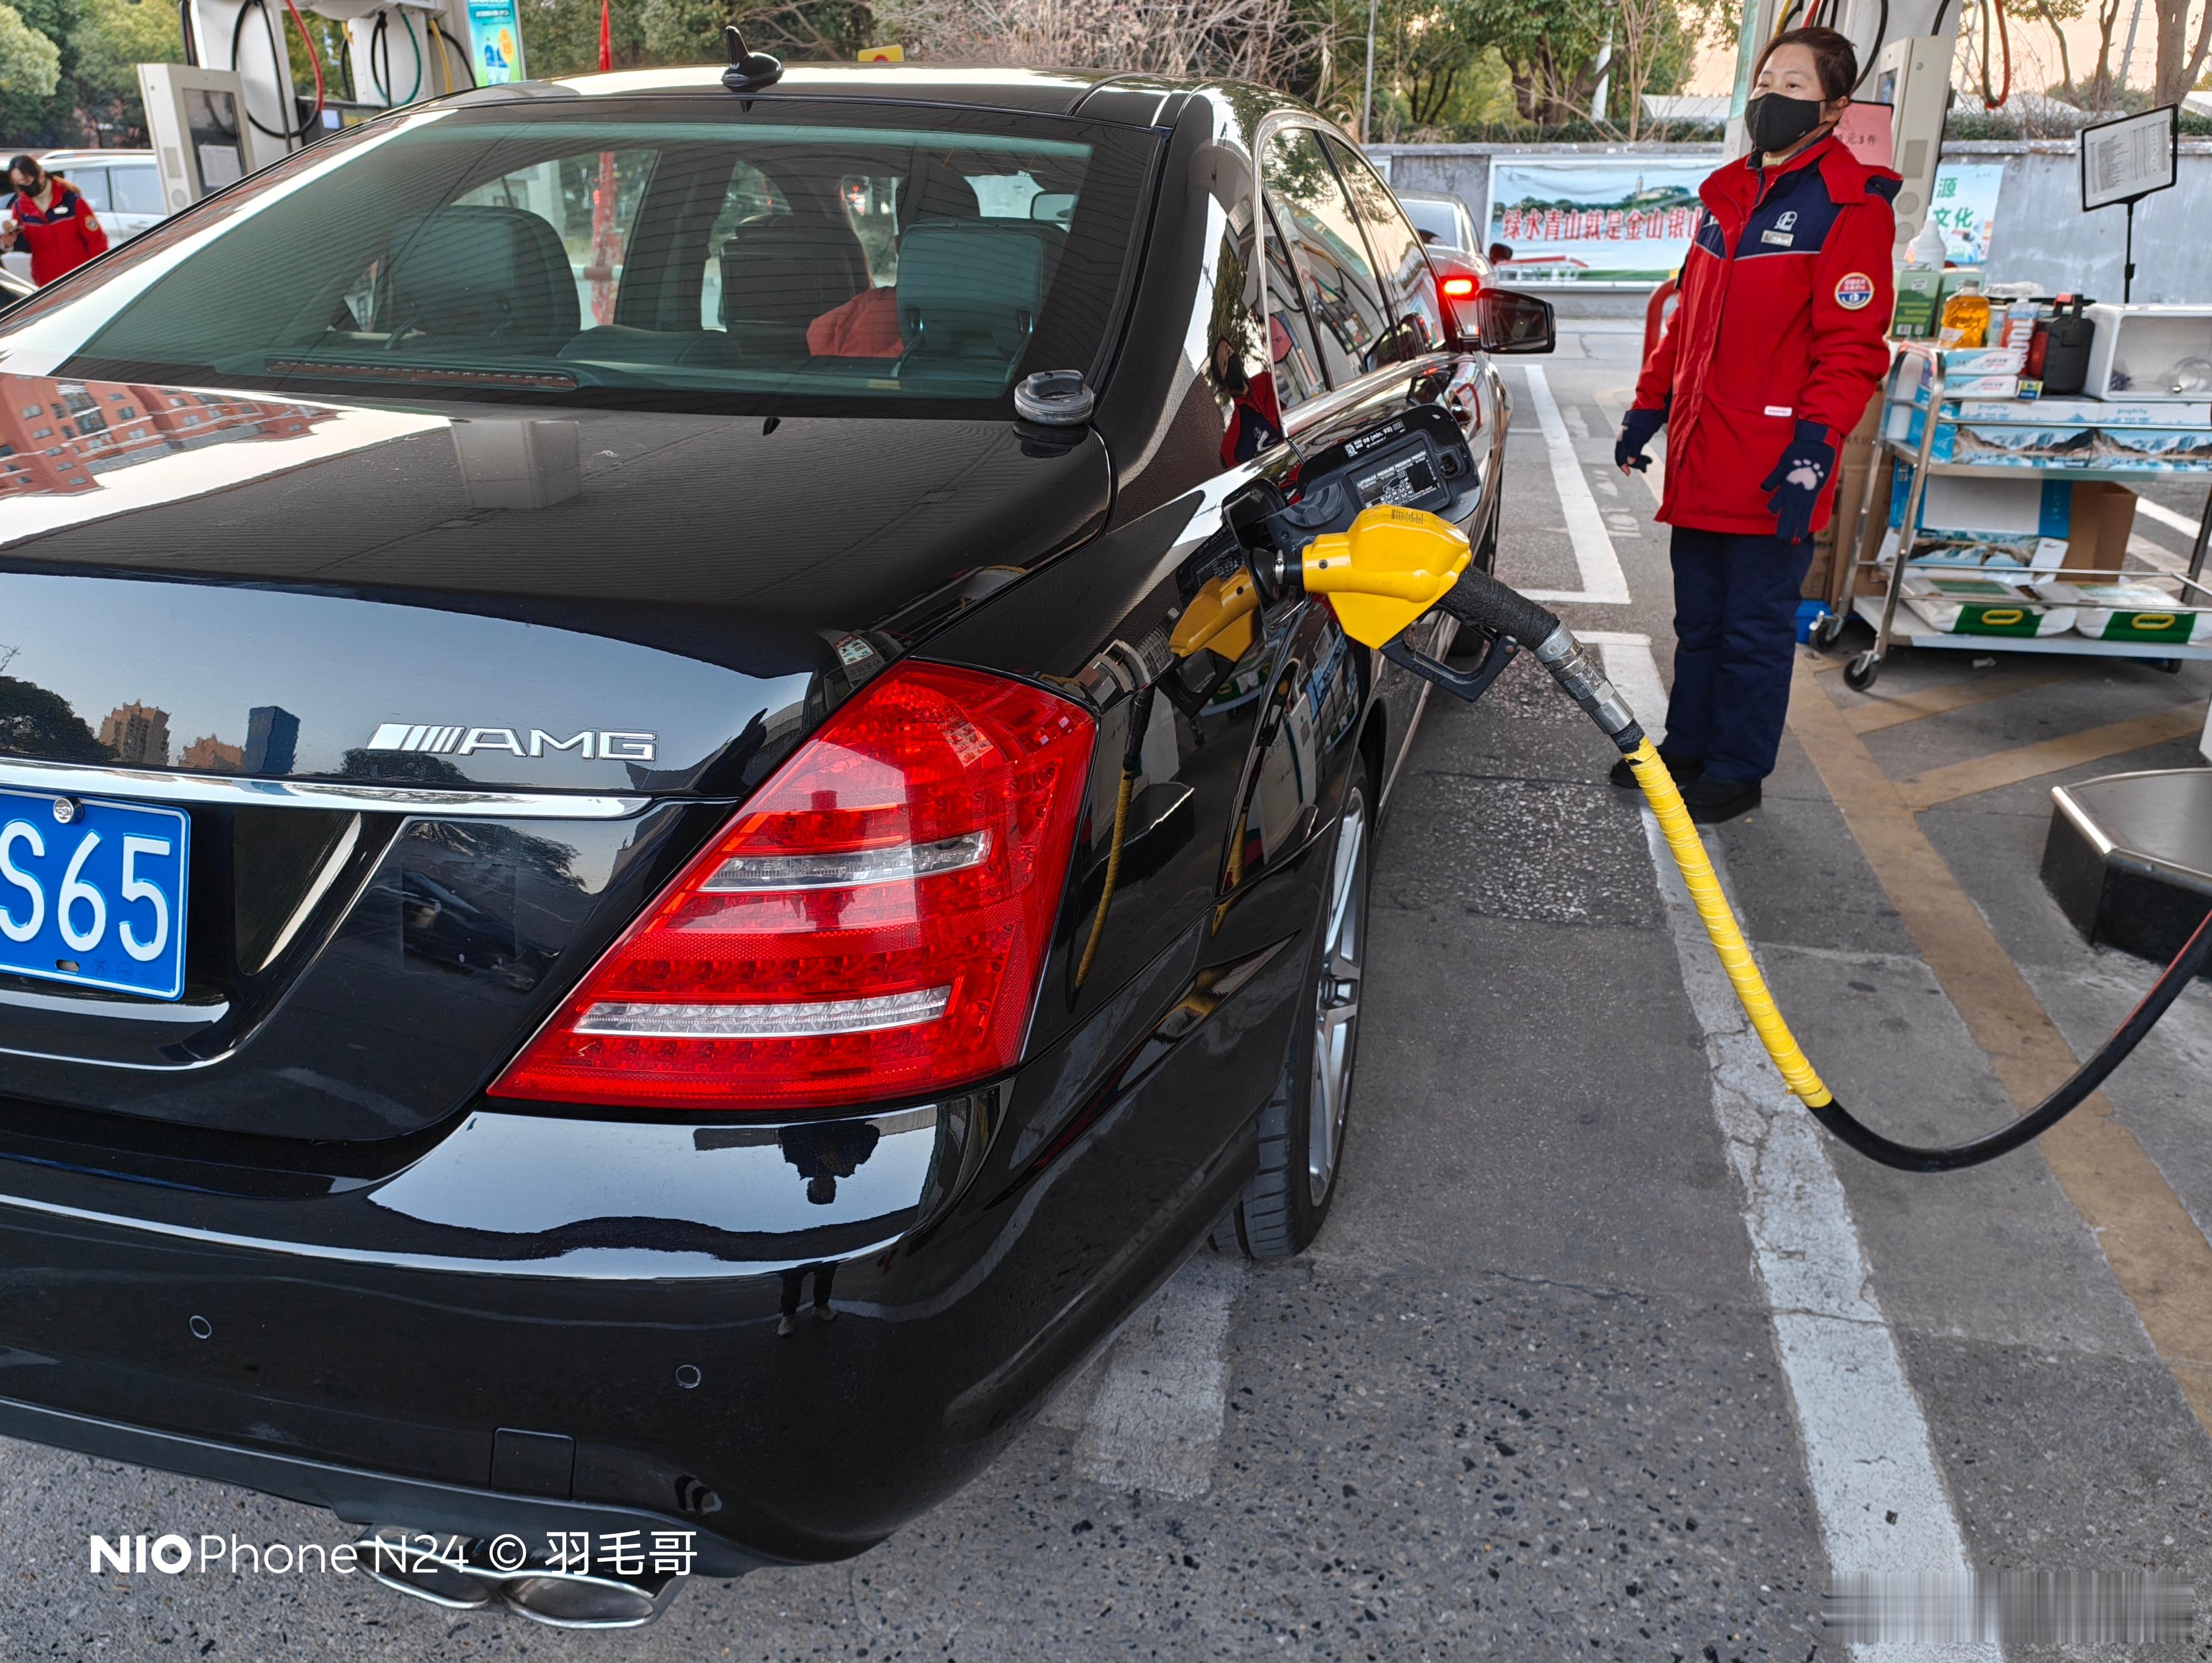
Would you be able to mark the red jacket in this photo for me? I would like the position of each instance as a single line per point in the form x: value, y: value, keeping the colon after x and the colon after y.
x: 1786, y: 297
x: 59, y: 237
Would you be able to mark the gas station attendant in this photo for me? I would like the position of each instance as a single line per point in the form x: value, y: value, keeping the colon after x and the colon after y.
x: 1774, y: 349
x: 51, y: 218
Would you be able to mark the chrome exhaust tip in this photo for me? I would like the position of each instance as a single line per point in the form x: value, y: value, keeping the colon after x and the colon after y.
x: 583, y: 1599
x: 456, y: 1574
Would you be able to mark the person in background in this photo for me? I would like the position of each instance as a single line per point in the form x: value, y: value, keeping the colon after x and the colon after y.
x: 1774, y: 349
x: 1500, y: 254
x: 49, y: 218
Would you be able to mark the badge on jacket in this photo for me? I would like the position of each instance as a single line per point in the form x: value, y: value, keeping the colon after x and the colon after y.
x: 1853, y: 290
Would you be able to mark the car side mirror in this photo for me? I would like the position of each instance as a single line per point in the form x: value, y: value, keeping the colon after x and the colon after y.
x: 1507, y: 322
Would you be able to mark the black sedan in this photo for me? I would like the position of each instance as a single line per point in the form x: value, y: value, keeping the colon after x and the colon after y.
x: 651, y: 866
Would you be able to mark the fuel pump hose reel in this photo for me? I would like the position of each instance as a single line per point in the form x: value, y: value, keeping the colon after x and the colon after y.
x: 1392, y: 565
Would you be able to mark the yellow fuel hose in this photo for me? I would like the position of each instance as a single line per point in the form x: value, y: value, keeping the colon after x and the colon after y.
x: 1113, y: 874
x: 1705, y: 894
x: 1395, y: 563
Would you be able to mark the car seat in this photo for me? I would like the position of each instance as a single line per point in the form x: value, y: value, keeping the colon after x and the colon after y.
x: 973, y: 289
x: 467, y: 275
x: 781, y: 274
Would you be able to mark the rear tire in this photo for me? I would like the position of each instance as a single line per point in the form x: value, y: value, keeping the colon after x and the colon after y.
x: 1302, y: 1127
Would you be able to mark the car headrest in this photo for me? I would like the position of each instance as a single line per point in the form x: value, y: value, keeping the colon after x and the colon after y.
x: 480, y: 272
x: 790, y: 270
x: 973, y: 288
x: 936, y: 191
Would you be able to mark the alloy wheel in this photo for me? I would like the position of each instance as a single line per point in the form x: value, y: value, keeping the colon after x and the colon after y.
x: 1336, y: 995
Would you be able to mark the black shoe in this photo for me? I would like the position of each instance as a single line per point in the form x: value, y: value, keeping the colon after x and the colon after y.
x: 1683, y: 769
x: 1711, y: 799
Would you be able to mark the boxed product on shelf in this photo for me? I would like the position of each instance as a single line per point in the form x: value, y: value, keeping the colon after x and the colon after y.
x: 1999, y: 509
x: 2023, y: 444
x: 1965, y: 605
x: 2129, y: 612
x: 1918, y: 290
x: 1960, y: 365
x: 2022, y: 524
x: 2081, y: 412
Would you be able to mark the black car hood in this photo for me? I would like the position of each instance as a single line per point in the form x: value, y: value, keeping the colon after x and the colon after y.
x: 712, y: 581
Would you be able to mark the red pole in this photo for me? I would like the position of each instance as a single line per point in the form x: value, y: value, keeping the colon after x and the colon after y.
x: 606, y: 241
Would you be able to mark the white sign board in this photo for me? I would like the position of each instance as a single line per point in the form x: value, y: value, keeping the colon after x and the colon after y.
x: 1595, y: 219
x: 2128, y: 158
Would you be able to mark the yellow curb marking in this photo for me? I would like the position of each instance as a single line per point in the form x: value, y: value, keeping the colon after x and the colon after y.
x: 2160, y: 1260
x: 1889, y: 710
x: 2010, y: 767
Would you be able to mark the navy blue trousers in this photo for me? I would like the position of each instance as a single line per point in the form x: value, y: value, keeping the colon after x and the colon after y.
x: 1735, y: 635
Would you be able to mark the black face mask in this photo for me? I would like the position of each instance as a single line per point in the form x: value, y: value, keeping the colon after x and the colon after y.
x: 1776, y: 122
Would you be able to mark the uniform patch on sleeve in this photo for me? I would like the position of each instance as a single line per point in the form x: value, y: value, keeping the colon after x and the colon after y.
x: 1853, y: 290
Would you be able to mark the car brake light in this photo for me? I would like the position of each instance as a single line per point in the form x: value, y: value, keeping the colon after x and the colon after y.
x: 1459, y: 288
x: 872, y: 923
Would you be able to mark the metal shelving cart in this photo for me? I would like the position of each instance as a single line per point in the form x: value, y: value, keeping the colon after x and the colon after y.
x: 1881, y: 611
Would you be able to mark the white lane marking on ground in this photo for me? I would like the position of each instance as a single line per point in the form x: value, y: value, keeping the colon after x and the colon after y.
x: 2166, y: 516
x: 1631, y: 667
x: 1158, y: 1396
x: 1873, y: 1473
x: 1602, y: 582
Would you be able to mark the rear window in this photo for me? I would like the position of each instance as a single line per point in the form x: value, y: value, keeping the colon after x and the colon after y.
x: 689, y: 253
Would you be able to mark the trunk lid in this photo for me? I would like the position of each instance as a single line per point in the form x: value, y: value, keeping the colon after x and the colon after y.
x: 445, y: 696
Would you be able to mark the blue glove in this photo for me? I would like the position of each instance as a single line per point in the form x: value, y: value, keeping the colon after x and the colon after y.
x: 1636, y: 430
x: 1806, y: 462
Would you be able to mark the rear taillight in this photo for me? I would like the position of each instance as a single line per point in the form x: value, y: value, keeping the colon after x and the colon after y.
x: 1458, y: 288
x: 872, y: 924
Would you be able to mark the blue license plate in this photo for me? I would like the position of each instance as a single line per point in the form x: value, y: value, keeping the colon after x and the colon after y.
x: 96, y: 899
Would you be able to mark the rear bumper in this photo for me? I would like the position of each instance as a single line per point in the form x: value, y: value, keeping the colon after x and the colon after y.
x: 545, y: 1323
x: 363, y: 1497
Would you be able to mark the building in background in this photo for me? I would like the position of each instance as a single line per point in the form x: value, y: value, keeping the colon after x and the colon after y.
x: 272, y: 740
x: 211, y: 756
x: 138, y: 736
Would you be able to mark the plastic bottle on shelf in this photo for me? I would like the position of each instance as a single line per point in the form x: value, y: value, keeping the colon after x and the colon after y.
x: 1967, y: 316
x: 1928, y: 250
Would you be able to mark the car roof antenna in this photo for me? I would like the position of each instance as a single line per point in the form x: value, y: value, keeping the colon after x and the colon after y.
x: 749, y: 71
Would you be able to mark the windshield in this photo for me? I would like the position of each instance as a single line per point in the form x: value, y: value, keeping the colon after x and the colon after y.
x: 663, y: 252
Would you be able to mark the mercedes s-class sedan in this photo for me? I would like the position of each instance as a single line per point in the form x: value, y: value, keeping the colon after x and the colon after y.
x: 651, y: 866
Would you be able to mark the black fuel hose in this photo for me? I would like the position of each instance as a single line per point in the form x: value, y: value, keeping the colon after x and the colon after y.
x: 1482, y: 600
x: 1907, y: 1157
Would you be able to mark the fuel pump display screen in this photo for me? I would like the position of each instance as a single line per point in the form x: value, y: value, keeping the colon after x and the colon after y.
x: 211, y: 123
x: 1403, y: 477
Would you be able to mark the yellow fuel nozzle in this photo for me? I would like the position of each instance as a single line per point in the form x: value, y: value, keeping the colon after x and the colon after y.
x: 1219, y: 615
x: 1391, y: 567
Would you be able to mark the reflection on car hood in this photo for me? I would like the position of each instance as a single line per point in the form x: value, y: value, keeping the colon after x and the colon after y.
x: 680, y: 575
x: 842, y: 520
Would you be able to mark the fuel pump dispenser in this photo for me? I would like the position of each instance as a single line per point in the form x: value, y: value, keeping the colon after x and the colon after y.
x: 1361, y: 525
x: 232, y: 108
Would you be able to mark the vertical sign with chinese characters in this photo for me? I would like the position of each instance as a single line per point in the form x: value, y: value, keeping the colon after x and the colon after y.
x: 496, y: 36
x: 1964, y: 208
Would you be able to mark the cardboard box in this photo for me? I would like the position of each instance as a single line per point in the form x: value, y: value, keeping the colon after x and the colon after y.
x: 2102, y: 518
x: 1824, y: 581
